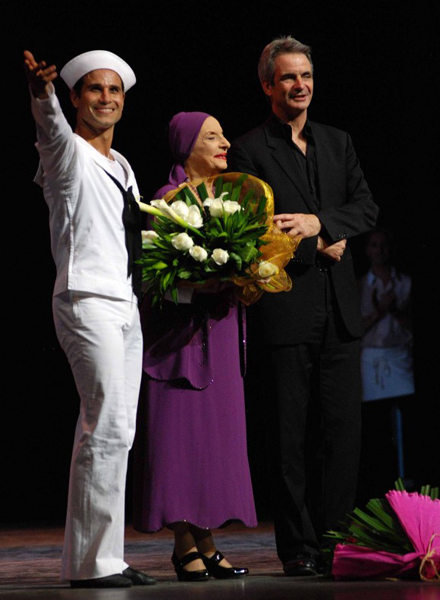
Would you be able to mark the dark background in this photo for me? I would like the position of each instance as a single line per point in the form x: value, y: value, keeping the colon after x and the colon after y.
x: 376, y: 72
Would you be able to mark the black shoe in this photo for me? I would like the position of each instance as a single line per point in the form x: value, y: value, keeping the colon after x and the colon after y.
x: 182, y: 573
x: 111, y: 581
x: 138, y: 578
x: 215, y: 570
x: 302, y: 565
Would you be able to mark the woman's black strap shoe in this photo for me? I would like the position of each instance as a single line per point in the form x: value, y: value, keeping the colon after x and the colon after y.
x: 185, y: 575
x: 214, y: 569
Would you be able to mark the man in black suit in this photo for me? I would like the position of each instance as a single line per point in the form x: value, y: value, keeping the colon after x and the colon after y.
x: 312, y: 332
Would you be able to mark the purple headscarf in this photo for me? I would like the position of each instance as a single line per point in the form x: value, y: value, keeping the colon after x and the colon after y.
x: 183, y: 132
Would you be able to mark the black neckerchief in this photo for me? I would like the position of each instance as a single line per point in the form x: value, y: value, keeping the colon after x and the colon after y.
x: 131, y: 218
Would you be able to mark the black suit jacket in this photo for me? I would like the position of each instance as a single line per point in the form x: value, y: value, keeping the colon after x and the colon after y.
x: 347, y: 209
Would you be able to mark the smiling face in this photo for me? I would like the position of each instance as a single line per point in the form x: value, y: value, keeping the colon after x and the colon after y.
x: 292, y: 89
x: 208, y: 156
x: 100, y: 104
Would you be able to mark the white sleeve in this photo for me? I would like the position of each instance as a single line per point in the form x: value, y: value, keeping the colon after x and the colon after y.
x: 55, y: 145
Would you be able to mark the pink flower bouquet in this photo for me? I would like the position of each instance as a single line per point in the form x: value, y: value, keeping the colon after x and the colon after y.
x: 402, y: 539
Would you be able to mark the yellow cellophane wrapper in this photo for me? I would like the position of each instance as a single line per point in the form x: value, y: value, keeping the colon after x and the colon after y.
x: 278, y: 251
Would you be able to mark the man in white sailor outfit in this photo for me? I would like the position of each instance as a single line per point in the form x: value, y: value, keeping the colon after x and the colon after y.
x: 95, y: 236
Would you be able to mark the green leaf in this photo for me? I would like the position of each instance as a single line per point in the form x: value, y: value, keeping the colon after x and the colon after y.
x: 262, y: 205
x: 166, y: 280
x: 189, y: 197
x: 160, y: 265
x: 239, y: 182
x: 180, y: 196
x: 426, y: 490
x: 227, y: 187
x: 250, y: 194
x: 375, y: 524
x: 236, y: 193
x: 249, y: 253
x: 174, y: 295
x: 399, y: 486
x: 237, y: 259
x: 202, y: 191
x: 218, y: 186
x: 363, y: 538
x: 378, y: 508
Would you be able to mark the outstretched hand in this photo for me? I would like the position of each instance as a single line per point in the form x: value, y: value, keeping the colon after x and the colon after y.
x: 39, y: 75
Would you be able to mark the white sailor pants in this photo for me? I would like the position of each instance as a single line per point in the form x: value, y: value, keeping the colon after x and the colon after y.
x: 103, y: 342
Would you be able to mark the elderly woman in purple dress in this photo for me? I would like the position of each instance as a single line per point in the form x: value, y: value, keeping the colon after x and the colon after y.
x: 191, y: 465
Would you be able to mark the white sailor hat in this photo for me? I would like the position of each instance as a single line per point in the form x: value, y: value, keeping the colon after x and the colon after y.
x: 97, y: 59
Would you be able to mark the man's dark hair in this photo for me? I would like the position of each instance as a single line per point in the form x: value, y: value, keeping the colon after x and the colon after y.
x: 78, y: 86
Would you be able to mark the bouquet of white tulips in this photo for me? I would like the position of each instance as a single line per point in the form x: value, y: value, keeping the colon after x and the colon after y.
x: 197, y: 238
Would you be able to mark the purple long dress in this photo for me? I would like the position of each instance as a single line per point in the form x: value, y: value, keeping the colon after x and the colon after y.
x: 190, y: 455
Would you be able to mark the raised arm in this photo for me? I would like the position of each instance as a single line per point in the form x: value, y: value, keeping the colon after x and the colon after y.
x: 39, y: 75
x: 55, y: 145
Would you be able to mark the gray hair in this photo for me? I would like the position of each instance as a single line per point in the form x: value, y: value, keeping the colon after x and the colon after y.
x: 281, y: 45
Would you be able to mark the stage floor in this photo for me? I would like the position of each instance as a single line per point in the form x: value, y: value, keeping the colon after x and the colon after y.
x: 30, y: 560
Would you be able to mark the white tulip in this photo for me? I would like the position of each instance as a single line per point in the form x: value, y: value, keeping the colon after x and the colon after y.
x: 194, y: 216
x: 267, y: 269
x: 220, y: 256
x: 159, y: 203
x: 231, y: 207
x: 216, y: 207
x: 198, y: 253
x: 181, y: 208
x: 167, y: 211
x: 148, y: 236
x: 182, y: 242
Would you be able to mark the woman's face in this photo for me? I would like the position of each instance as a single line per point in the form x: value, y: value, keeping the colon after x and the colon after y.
x: 208, y: 156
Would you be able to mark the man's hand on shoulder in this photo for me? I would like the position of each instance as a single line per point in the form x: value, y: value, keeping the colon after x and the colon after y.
x: 39, y: 75
x: 333, y: 251
x: 298, y: 224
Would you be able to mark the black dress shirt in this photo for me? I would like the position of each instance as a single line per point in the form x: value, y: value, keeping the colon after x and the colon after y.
x: 306, y: 162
